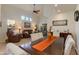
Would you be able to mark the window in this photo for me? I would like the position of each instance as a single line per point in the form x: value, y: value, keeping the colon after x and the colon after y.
x: 25, y: 18
x: 30, y: 19
x: 10, y: 22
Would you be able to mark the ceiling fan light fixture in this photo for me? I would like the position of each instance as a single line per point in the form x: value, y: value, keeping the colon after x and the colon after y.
x: 35, y: 11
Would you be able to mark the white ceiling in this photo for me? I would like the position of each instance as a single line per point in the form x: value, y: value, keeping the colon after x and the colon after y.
x: 50, y: 9
x: 66, y: 7
x: 62, y: 7
x: 27, y: 7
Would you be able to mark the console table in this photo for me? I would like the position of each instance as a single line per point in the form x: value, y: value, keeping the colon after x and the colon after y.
x: 63, y: 34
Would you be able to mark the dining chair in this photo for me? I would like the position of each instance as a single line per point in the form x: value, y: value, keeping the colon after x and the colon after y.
x: 69, y: 43
x: 12, y: 49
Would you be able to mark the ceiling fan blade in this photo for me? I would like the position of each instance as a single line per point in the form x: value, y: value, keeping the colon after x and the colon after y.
x: 35, y: 11
x: 38, y: 10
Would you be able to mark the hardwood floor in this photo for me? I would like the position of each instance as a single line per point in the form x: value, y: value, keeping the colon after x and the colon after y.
x: 2, y: 48
x: 3, y: 45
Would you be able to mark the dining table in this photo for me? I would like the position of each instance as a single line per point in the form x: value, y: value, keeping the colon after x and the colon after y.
x: 41, y: 48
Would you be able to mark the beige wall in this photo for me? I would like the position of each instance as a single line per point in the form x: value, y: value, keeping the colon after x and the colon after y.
x: 14, y: 13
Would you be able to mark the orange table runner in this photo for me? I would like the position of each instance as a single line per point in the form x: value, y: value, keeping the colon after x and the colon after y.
x: 44, y: 44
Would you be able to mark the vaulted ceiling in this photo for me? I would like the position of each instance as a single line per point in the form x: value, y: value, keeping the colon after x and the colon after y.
x: 62, y: 7
x: 46, y: 8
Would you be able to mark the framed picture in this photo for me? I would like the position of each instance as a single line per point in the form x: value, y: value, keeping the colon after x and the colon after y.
x: 27, y: 24
x: 59, y: 22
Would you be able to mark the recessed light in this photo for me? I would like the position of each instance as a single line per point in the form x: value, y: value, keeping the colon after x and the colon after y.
x: 56, y: 5
x: 58, y: 10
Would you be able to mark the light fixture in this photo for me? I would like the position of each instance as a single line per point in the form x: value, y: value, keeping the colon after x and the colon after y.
x: 35, y: 10
x: 56, y: 5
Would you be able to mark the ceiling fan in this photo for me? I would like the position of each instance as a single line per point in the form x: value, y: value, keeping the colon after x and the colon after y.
x: 34, y: 10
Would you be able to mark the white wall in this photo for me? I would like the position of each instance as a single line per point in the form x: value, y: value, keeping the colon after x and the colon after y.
x: 0, y: 27
x: 10, y: 12
x: 0, y: 10
x: 59, y: 16
x: 68, y: 15
x: 70, y: 18
x: 0, y: 19
x: 77, y: 30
